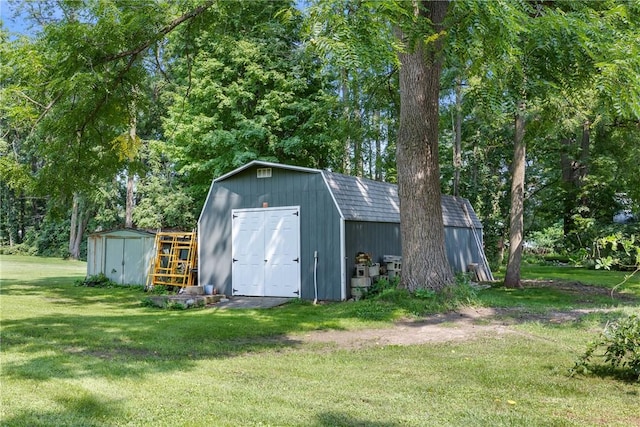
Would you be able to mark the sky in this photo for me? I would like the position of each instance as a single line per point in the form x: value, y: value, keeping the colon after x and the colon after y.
x: 17, y: 25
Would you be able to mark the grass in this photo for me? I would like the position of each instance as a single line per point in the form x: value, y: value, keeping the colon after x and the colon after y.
x: 95, y: 357
x: 546, y: 298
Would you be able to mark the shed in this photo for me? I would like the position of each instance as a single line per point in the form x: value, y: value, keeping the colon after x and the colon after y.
x: 123, y: 255
x: 269, y: 229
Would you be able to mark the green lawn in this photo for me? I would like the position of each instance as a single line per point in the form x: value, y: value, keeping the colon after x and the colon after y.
x: 77, y: 356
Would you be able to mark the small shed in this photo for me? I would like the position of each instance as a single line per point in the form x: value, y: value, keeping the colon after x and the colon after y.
x: 123, y: 255
x: 269, y: 229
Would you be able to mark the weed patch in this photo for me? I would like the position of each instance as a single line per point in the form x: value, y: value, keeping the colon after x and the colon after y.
x: 621, y: 343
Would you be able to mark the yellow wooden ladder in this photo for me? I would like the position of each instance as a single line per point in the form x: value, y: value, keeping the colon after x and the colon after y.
x: 175, y: 260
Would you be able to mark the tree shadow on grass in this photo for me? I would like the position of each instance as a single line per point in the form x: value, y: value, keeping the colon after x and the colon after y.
x: 618, y: 373
x: 106, y: 333
x: 68, y: 346
x: 85, y: 409
x: 339, y: 419
x: 64, y: 291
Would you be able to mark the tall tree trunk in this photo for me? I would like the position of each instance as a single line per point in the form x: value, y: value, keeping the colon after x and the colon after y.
x: 83, y: 218
x: 22, y: 218
x: 358, y: 146
x: 575, y: 168
x: 568, y: 183
x: 79, y: 220
x: 457, y: 145
x: 78, y: 223
x: 11, y: 221
x: 516, y: 221
x: 583, y: 167
x: 474, y: 168
x: 378, y: 158
x: 130, y: 202
x: 129, y: 205
x: 425, y: 262
x: 346, y: 154
x: 75, y: 208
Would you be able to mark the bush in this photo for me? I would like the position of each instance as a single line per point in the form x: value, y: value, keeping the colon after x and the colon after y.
x: 381, y: 285
x: 162, y: 290
x: 102, y: 281
x: 617, y: 251
x: 20, y: 249
x: 457, y: 295
x: 546, y: 242
x: 621, y: 343
x: 422, y: 301
x: 97, y: 281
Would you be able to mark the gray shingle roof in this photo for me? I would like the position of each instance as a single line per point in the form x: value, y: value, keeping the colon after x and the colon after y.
x: 362, y: 199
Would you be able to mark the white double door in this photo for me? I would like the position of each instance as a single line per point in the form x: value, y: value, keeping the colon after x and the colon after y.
x: 265, y: 247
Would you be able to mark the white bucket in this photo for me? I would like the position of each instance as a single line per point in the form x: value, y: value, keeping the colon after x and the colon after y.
x: 208, y: 289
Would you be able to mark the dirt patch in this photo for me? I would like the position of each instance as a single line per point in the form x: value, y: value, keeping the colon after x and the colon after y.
x: 467, y: 323
x: 459, y: 326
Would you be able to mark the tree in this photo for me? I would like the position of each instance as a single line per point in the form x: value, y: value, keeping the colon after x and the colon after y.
x: 90, y: 59
x: 516, y: 217
x: 425, y: 262
x: 246, y: 91
x: 411, y: 35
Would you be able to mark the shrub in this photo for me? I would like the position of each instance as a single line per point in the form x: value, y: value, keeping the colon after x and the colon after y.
x: 422, y: 301
x: 461, y: 293
x: 102, y: 281
x: 97, y: 281
x: 617, y: 251
x: 621, y: 343
x: 161, y: 290
x: 381, y: 285
x: 546, y: 242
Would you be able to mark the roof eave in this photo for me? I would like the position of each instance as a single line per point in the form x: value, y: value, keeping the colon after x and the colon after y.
x: 265, y: 164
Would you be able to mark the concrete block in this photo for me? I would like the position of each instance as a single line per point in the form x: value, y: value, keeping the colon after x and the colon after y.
x: 194, y: 290
x: 394, y: 266
x: 374, y: 270
x: 360, y: 282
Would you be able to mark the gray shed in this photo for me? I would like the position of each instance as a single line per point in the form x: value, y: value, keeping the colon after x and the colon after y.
x: 123, y: 255
x: 269, y: 229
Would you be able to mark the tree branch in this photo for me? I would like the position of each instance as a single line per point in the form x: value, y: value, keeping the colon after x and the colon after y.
x: 133, y: 54
x: 163, y: 32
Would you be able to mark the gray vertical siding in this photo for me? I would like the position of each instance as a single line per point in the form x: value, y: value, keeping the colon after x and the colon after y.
x: 374, y: 238
x: 319, y: 226
x: 461, y: 247
x: 379, y: 238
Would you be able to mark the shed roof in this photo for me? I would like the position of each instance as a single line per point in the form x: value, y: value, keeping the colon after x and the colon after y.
x: 124, y: 232
x: 361, y: 199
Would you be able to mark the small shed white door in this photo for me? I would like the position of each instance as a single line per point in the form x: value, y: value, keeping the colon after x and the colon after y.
x: 133, y: 257
x: 266, y: 252
x: 114, y: 259
x: 125, y: 260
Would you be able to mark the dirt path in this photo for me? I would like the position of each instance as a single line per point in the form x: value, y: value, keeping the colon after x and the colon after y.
x: 465, y: 324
